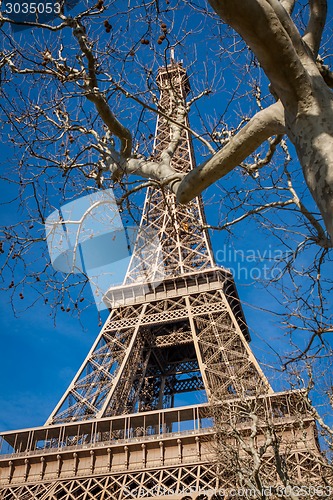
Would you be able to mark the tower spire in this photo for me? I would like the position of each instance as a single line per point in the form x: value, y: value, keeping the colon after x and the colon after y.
x: 184, y: 244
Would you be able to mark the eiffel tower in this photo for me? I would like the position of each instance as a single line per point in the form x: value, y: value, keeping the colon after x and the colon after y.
x: 137, y: 421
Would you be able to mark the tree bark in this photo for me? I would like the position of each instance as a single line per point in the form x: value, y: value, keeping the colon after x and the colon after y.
x: 311, y: 131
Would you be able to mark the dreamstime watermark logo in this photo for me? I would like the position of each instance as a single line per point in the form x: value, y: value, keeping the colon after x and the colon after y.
x: 192, y: 493
x: 88, y: 236
x: 252, y: 264
x: 37, y: 11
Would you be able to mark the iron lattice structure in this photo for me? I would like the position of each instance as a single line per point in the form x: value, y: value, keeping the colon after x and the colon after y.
x: 137, y: 420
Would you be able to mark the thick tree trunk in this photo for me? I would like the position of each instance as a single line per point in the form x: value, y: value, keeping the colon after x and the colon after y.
x: 311, y: 131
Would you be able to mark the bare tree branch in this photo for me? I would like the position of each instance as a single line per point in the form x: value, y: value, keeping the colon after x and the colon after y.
x: 252, y: 169
x: 263, y: 125
x: 259, y: 25
x: 315, y: 27
x: 325, y: 72
x: 262, y: 208
x: 94, y: 95
x: 288, y: 5
x: 290, y: 28
x: 322, y: 239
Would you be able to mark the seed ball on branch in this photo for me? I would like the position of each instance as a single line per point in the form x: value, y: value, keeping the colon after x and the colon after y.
x: 107, y: 25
